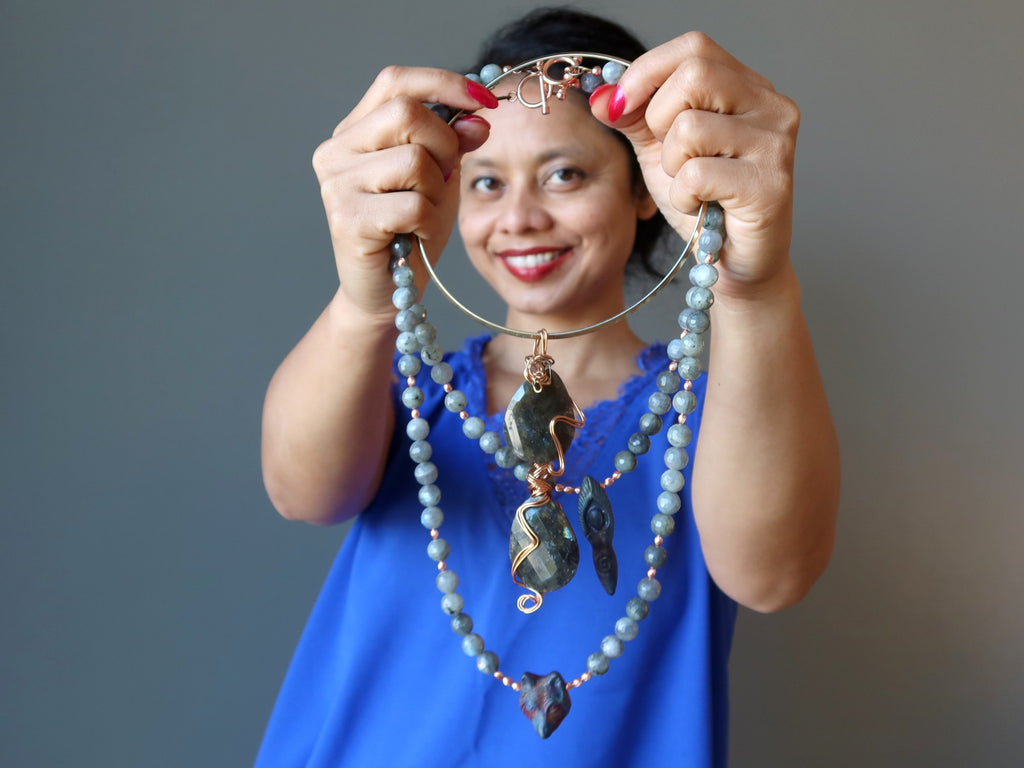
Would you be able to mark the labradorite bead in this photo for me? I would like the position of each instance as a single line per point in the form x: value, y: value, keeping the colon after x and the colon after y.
x: 448, y: 581
x: 417, y: 429
x: 597, y: 663
x: 611, y: 646
x: 679, y: 435
x: 404, y: 297
x: 462, y: 624
x: 699, y: 298
x: 431, y: 518
x: 669, y: 503
x: 692, y: 344
x: 487, y: 662
x: 710, y: 241
x: 553, y: 564
x: 663, y: 525
x: 649, y: 589
x: 627, y: 628
x: 713, y: 217
x: 690, y: 368
x: 703, y: 275
x: 521, y: 470
x: 637, y: 609
x: 672, y: 480
x: 473, y: 427
x: 420, y: 311
x: 474, y: 77
x: 590, y: 82
x: 406, y: 343
x: 438, y: 549
x: 612, y: 71
x: 505, y: 457
x: 401, y: 246
x: 650, y: 423
x: 402, y: 276
x: 408, y: 365
x: 406, y: 320
x: 455, y: 401
x: 684, y: 401
x: 490, y: 442
x: 675, y: 350
x: 490, y: 73
x: 429, y: 495
x: 639, y: 443
x: 426, y: 473
x: 668, y: 382
x: 420, y: 451
x: 655, y: 556
x: 676, y: 458
x: 412, y: 397
x: 441, y: 373
x: 528, y: 419
x: 452, y: 603
x: 625, y: 461
x: 472, y: 645
x: 659, y: 403
x: 426, y: 333
x: 694, y: 320
x: 431, y: 354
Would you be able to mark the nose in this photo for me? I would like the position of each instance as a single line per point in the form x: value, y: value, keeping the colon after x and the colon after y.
x: 523, y: 211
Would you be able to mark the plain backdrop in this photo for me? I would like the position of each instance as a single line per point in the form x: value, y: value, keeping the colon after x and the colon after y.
x: 163, y: 246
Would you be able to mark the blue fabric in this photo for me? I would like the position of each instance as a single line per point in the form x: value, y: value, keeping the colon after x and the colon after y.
x: 379, y: 678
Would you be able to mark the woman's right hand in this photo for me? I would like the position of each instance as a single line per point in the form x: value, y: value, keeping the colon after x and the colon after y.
x: 392, y: 166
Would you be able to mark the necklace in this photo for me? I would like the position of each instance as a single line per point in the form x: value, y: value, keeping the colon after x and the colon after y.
x: 540, y: 423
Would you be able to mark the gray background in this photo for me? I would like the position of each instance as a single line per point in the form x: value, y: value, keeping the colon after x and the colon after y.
x: 163, y: 247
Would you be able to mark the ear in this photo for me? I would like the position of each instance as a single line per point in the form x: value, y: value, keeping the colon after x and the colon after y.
x: 646, y: 208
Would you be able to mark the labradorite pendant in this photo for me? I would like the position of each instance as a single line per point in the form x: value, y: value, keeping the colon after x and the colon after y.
x: 528, y: 419
x: 553, y: 563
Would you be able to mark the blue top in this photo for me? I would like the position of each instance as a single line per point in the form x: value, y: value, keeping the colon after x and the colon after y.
x: 380, y: 679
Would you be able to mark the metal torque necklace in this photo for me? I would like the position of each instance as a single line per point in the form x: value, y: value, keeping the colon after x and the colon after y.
x: 541, y: 422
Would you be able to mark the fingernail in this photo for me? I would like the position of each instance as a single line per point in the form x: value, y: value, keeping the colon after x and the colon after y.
x: 616, y: 104
x: 481, y: 95
x: 473, y: 119
x: 600, y: 91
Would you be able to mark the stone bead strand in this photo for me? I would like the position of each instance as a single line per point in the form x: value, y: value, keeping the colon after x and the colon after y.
x: 589, y: 82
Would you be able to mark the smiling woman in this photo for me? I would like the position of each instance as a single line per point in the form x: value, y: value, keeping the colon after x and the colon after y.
x: 551, y: 204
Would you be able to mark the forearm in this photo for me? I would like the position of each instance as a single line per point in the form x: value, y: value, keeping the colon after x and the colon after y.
x: 328, y: 418
x: 766, y: 472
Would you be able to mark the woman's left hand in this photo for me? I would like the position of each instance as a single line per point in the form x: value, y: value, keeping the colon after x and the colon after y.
x: 706, y: 127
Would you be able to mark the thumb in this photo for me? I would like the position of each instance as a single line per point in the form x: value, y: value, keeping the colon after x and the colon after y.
x: 472, y: 131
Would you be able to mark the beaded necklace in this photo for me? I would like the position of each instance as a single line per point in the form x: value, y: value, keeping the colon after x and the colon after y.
x: 539, y: 425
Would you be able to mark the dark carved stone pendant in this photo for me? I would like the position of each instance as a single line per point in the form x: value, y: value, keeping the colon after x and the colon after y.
x: 598, y: 525
x: 545, y: 701
x: 528, y: 419
x: 554, y: 562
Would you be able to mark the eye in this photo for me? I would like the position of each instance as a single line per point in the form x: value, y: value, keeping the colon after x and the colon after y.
x: 485, y: 184
x: 565, y: 178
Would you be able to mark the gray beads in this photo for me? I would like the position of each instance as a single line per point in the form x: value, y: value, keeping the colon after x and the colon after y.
x: 404, y: 296
x: 417, y: 429
x: 425, y: 332
x: 455, y: 401
x: 638, y: 443
x: 487, y: 662
x: 659, y: 403
x: 612, y: 646
x: 672, y: 480
x: 431, y: 354
x: 690, y: 368
x: 663, y: 525
x: 438, y: 549
x: 713, y: 216
x: 472, y: 645
x: 676, y: 458
x: 420, y: 451
x: 408, y: 365
x: 612, y: 71
x: 597, y: 663
x: 649, y: 588
x: 650, y: 423
x: 505, y: 457
x: 694, y: 320
x: 431, y: 518
x: 710, y: 241
x: 679, y: 435
x: 406, y: 320
x: 655, y: 556
x: 684, y: 401
x: 426, y: 473
x: 406, y: 343
x: 669, y: 502
x: 448, y: 581
x: 625, y: 461
x: 490, y: 73
x: 699, y: 298
x: 589, y: 82
x: 703, y: 275
x: 441, y: 373
x: 668, y: 382
x: 429, y: 495
x: 452, y: 603
x: 401, y: 247
x: 692, y: 344
x: 473, y: 427
x: 627, y: 628
x: 412, y: 397
x: 490, y: 442
x: 462, y: 624
x: 637, y: 608
x: 402, y: 276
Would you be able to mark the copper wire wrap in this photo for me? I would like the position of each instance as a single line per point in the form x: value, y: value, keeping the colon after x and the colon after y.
x: 540, y: 494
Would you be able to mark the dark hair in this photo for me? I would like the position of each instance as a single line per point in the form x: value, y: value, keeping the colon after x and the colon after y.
x: 551, y: 30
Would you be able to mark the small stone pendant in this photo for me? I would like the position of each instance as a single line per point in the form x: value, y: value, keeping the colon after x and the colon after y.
x: 553, y: 562
x: 545, y: 701
x: 598, y: 525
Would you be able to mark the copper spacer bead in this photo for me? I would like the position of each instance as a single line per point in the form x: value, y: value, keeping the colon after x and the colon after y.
x: 652, y: 572
x: 415, y: 413
x: 448, y: 387
x: 434, y: 533
x: 659, y: 540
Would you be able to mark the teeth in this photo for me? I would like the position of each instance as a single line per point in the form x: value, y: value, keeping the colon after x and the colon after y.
x: 532, y: 259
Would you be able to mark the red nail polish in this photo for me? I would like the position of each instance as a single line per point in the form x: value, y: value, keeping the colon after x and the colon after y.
x: 600, y: 91
x: 616, y: 104
x: 481, y: 95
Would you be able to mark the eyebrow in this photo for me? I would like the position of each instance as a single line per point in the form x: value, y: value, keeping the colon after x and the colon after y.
x: 570, y: 151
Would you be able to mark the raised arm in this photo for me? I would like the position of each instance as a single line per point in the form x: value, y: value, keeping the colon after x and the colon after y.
x: 766, y: 472
x: 391, y: 166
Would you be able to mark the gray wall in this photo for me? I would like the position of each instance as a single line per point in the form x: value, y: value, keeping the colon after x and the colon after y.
x: 163, y: 246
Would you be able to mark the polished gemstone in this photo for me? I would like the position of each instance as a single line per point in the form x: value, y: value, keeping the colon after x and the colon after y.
x: 528, y: 421
x: 555, y: 560
x: 545, y: 701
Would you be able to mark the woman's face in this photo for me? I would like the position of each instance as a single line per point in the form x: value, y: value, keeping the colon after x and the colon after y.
x: 548, y: 211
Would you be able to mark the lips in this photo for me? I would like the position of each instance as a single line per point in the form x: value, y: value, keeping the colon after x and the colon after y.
x: 533, y: 264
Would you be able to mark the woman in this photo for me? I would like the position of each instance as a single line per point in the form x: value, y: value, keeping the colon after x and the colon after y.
x: 551, y: 208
